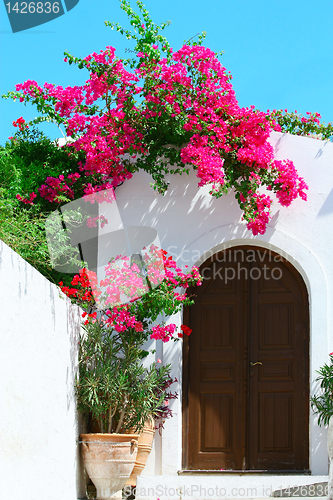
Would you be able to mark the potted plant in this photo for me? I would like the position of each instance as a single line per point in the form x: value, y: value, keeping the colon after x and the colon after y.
x: 322, y: 405
x: 154, y: 422
x: 116, y: 392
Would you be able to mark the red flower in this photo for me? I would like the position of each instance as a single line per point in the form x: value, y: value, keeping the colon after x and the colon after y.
x: 27, y: 201
x: 186, y: 330
x: 20, y: 122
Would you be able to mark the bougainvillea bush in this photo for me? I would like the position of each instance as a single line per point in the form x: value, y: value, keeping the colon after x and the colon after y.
x: 163, y: 111
x: 135, y: 297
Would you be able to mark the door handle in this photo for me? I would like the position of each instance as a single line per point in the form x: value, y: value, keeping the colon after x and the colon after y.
x: 256, y: 363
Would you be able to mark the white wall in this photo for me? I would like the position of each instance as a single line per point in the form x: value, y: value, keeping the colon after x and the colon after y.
x: 192, y: 225
x: 38, y: 424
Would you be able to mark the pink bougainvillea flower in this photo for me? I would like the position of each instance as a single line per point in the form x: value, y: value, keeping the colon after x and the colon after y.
x: 191, y: 93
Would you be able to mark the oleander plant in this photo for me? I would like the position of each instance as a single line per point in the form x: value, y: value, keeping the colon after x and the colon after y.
x: 322, y: 402
x: 115, y: 390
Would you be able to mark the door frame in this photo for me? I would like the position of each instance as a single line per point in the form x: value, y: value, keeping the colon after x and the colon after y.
x: 186, y: 343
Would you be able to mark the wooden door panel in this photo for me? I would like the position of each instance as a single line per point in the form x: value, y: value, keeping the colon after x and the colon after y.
x: 216, y: 374
x: 219, y: 440
x: 218, y: 322
x: 278, y: 412
x: 275, y: 422
x: 275, y: 326
x: 277, y: 369
x: 217, y: 422
x: 217, y: 371
x: 239, y: 416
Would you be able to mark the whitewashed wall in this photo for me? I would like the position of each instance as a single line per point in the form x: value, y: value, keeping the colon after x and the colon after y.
x: 192, y: 225
x: 38, y: 424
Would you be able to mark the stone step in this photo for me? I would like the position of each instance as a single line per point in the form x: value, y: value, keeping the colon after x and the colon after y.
x: 228, y: 486
x: 246, y: 490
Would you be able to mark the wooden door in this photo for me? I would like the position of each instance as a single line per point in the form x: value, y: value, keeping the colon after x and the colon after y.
x: 251, y: 308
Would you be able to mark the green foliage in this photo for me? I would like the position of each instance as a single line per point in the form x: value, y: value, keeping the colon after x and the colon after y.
x: 322, y: 403
x: 28, y: 159
x: 296, y: 124
x: 112, y: 386
x: 23, y: 231
x: 146, y: 33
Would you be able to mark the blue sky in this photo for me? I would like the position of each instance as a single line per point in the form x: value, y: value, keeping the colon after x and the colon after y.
x: 279, y: 53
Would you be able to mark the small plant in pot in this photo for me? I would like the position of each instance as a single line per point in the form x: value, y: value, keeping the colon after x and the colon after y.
x: 322, y: 405
x: 116, y: 391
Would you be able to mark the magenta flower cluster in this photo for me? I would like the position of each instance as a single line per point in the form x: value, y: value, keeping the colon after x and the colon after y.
x: 125, y: 280
x: 55, y: 187
x: 187, y: 99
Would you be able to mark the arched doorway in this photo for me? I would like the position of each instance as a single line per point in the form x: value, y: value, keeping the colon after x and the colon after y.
x: 246, y: 365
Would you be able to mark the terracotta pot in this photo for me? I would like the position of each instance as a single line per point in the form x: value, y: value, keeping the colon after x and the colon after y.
x: 145, y: 443
x: 109, y: 460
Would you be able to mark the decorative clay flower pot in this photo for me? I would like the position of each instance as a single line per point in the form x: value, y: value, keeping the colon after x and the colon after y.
x: 145, y: 443
x: 109, y: 460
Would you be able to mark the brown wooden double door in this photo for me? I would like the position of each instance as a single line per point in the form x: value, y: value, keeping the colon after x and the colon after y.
x: 246, y: 366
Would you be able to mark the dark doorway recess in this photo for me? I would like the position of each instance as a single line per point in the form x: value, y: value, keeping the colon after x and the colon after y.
x: 246, y: 365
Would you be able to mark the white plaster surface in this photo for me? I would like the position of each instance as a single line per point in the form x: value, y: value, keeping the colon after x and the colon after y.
x: 191, y: 225
x: 39, y: 328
